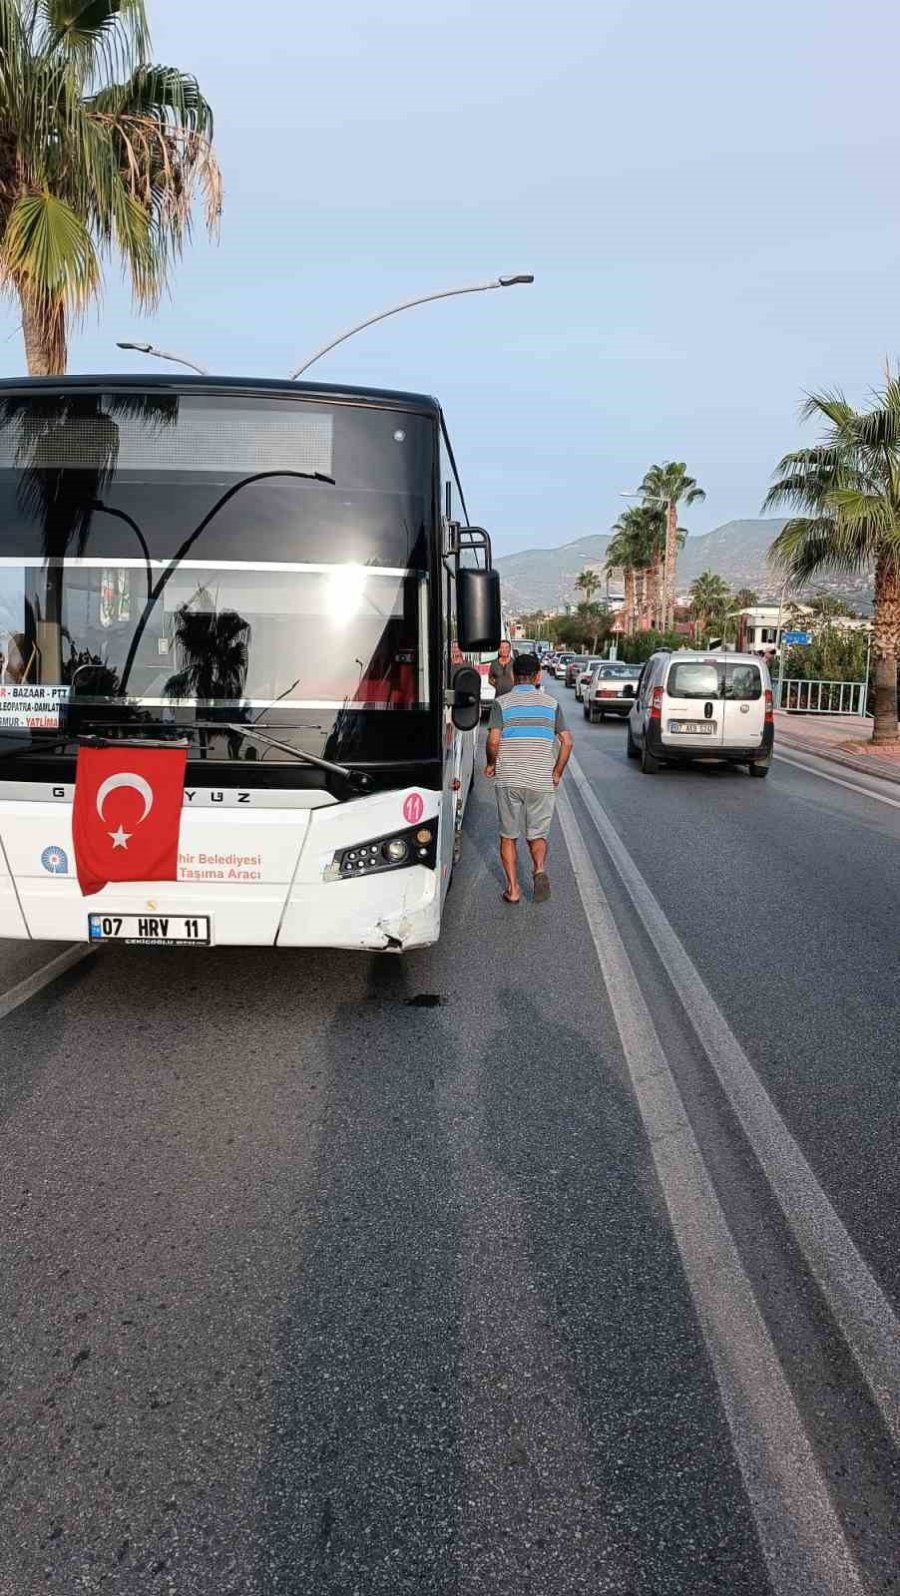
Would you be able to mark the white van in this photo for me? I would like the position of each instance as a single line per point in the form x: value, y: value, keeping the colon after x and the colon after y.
x: 703, y: 706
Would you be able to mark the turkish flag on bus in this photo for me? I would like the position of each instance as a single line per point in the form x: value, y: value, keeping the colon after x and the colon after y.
x: 127, y: 814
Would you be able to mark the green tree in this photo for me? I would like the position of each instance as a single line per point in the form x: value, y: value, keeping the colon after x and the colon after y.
x: 101, y: 154
x: 635, y: 650
x: 826, y: 606
x: 669, y: 485
x: 710, y: 602
x: 596, y: 622
x: 846, y: 489
x: 582, y: 631
x: 834, y: 655
x: 746, y: 598
x: 587, y: 583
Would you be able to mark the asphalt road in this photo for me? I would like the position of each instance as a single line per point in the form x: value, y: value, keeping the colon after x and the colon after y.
x: 335, y: 1274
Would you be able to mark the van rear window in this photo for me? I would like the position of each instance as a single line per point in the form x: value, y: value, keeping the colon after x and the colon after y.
x: 743, y: 682
x: 694, y: 679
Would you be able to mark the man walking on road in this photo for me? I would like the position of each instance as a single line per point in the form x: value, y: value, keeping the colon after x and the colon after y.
x: 528, y: 748
x: 500, y: 674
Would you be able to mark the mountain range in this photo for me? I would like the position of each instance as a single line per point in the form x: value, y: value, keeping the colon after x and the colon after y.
x: 544, y: 579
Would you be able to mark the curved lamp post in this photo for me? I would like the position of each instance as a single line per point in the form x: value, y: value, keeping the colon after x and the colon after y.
x: 163, y: 354
x: 409, y: 304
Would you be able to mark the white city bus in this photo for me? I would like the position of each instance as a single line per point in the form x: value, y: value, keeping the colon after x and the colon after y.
x: 285, y: 576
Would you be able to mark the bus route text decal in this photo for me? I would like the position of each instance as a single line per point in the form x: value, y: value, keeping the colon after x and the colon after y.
x: 32, y: 707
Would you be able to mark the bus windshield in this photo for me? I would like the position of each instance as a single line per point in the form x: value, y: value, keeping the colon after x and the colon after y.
x: 171, y: 558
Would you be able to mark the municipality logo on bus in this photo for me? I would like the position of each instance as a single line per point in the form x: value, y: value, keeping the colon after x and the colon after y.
x: 55, y: 861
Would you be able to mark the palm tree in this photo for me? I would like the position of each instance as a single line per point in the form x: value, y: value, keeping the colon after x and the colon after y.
x: 847, y: 490
x: 214, y: 647
x: 101, y: 153
x: 670, y: 485
x: 587, y: 583
x: 710, y: 599
x: 624, y: 553
x: 644, y: 526
x: 746, y: 598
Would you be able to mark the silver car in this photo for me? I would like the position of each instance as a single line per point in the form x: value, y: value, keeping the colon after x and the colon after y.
x: 611, y: 690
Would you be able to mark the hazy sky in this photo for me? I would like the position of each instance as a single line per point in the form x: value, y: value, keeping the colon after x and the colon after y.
x: 707, y: 194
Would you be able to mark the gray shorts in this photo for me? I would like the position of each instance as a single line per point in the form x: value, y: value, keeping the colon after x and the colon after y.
x: 528, y: 806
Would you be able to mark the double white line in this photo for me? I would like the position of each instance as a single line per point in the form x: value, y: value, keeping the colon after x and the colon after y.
x: 799, y: 1530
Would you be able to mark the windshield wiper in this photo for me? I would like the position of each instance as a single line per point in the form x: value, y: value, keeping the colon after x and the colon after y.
x: 42, y: 747
x: 348, y: 773
x: 242, y: 729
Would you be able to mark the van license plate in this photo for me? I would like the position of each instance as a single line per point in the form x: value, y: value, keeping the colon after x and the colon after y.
x: 162, y: 930
x: 699, y: 728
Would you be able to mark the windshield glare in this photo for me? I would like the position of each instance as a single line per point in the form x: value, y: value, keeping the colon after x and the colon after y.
x: 172, y: 555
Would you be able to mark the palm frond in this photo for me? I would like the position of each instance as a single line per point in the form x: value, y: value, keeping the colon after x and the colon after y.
x: 830, y: 406
x: 863, y: 514
x: 12, y: 52
x: 809, y: 546
x: 162, y: 92
x: 112, y: 34
x: 671, y: 481
x: 49, y: 252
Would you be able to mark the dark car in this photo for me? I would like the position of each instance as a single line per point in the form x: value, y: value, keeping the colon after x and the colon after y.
x: 572, y: 669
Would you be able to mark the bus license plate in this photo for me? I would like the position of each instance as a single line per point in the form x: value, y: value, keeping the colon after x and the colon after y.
x: 701, y: 728
x: 162, y: 930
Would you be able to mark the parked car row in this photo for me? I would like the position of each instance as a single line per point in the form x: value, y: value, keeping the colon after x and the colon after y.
x: 683, y: 706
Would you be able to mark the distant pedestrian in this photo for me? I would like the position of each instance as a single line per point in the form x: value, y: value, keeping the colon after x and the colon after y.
x: 500, y: 674
x: 528, y: 748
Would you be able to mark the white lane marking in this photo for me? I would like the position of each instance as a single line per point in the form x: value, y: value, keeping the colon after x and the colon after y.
x: 860, y: 1307
x: 17, y: 995
x: 799, y: 1531
x: 852, y: 786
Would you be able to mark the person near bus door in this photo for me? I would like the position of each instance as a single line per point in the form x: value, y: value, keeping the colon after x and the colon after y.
x: 500, y: 674
x: 528, y: 748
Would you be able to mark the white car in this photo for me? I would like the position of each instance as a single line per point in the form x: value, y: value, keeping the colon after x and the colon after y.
x: 583, y: 677
x: 610, y: 690
x: 559, y: 669
x: 703, y: 706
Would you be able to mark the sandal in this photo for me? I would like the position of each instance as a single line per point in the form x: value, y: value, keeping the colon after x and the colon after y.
x: 505, y: 898
x: 541, y: 886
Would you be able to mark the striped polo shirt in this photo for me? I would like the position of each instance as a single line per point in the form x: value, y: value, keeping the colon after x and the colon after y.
x: 529, y: 722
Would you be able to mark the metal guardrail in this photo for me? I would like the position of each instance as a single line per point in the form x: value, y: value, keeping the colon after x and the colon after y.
x: 798, y: 696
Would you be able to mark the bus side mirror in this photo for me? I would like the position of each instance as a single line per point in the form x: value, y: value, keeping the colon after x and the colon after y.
x: 464, y: 698
x: 478, y: 620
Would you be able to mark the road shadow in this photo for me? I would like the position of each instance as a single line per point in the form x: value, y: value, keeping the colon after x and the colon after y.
x: 562, y: 1130
x: 359, y: 1487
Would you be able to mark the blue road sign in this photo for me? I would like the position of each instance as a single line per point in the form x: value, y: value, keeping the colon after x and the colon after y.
x: 797, y: 639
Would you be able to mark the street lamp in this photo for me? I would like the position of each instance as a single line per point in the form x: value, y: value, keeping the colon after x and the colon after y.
x: 162, y: 354
x: 409, y: 304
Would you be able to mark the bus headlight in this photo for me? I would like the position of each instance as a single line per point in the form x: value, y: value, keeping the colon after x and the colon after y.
x: 416, y: 845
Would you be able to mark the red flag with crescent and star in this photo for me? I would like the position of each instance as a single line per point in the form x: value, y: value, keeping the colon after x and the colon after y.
x: 127, y: 814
